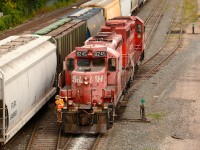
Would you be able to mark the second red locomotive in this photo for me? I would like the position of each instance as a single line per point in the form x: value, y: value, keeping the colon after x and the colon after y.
x: 96, y: 75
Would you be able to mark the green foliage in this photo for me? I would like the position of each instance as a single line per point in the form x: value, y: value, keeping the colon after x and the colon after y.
x: 2, y: 24
x: 17, y: 11
x: 190, y: 11
x: 7, y: 20
x: 155, y: 116
x: 12, y: 15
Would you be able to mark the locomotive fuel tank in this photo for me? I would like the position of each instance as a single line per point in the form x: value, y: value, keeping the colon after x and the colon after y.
x: 27, y: 72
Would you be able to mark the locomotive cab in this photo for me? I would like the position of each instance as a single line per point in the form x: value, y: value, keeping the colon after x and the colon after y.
x: 90, y: 82
x: 132, y: 30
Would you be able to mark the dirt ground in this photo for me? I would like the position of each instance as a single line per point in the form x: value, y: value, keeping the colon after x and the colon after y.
x: 187, y: 87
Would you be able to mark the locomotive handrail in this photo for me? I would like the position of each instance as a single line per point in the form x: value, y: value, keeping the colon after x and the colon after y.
x: 78, y: 98
x: 61, y: 79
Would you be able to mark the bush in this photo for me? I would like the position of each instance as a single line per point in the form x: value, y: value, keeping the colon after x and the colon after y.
x: 16, y: 11
x: 2, y: 24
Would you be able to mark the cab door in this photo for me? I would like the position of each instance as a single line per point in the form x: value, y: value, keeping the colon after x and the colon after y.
x: 139, y: 38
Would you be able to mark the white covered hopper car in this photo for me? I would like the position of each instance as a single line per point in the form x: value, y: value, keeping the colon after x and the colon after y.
x: 27, y: 72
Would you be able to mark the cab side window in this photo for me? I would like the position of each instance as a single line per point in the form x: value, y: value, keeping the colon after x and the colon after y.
x: 139, y: 28
x: 128, y: 33
x: 112, y: 64
x: 70, y: 64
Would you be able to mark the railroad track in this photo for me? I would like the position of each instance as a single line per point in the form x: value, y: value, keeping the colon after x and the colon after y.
x: 174, y: 38
x: 40, y: 21
x: 45, y: 132
x: 153, y: 20
x: 79, y: 141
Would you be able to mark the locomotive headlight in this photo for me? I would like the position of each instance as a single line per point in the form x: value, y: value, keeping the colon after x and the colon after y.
x: 86, y: 82
x: 70, y: 102
x: 99, y: 102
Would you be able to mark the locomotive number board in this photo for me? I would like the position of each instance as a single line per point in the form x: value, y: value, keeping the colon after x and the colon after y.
x: 81, y: 54
x: 95, y: 54
x: 100, y: 54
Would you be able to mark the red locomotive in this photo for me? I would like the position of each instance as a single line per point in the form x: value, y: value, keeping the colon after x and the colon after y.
x: 96, y: 75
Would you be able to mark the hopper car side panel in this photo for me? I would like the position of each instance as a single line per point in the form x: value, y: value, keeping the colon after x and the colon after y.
x: 134, y: 5
x: 125, y: 6
x: 68, y: 40
x: 94, y: 24
x: 140, y: 2
x: 68, y: 33
x: 26, y: 82
x: 93, y: 17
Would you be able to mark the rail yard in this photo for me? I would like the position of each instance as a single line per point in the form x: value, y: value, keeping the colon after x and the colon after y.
x: 166, y: 82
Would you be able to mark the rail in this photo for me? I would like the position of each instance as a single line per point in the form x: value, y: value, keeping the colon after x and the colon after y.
x: 156, y: 13
x: 154, y: 63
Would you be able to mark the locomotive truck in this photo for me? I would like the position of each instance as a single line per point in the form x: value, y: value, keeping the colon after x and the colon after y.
x: 96, y: 75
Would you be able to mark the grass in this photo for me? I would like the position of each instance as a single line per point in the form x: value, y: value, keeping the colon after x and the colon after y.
x: 157, y: 116
x: 190, y: 13
x: 149, y: 149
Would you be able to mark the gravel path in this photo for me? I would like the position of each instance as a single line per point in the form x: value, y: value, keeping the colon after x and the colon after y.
x: 172, y: 100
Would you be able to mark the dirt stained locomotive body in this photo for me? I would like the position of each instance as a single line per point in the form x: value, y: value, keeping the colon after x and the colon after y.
x: 96, y: 75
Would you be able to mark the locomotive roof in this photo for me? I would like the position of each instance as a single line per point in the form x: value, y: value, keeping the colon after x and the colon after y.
x: 103, y: 36
x: 116, y: 23
x: 110, y: 39
x: 128, y: 18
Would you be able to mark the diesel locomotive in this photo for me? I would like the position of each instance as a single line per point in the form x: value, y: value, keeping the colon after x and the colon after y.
x: 96, y: 75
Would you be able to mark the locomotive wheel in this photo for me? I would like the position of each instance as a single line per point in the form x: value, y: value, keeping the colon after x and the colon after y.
x: 142, y: 56
x: 118, y: 106
x: 136, y: 67
x: 124, y: 91
x: 111, y: 119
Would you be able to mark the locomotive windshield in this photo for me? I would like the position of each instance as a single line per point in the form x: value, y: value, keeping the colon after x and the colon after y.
x: 84, y: 62
x: 98, y: 62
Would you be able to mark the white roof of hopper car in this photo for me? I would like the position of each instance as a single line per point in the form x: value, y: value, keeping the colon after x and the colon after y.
x: 20, y: 52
